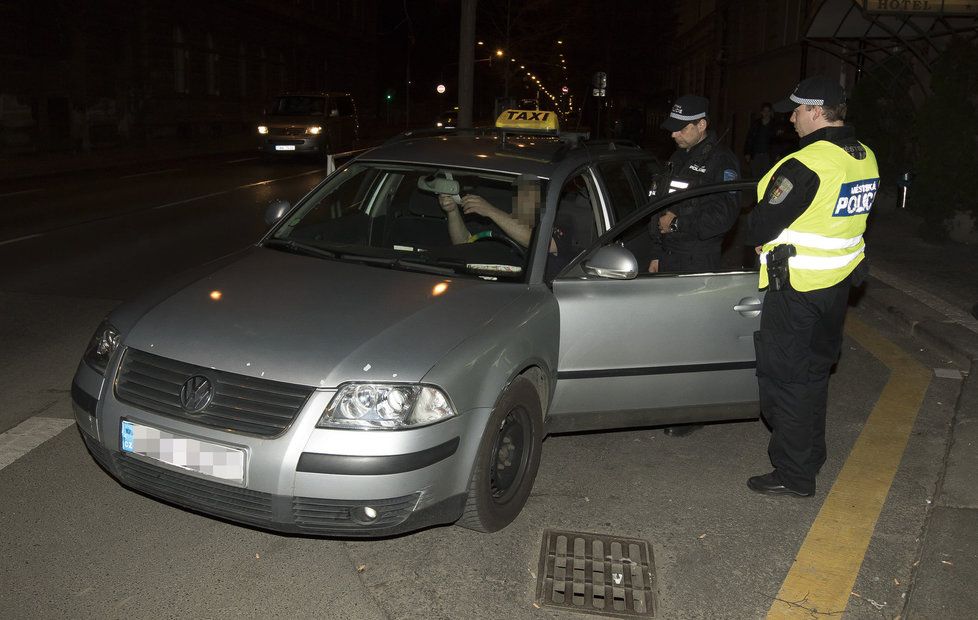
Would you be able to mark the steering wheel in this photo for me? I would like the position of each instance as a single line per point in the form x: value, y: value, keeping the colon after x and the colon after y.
x: 519, y: 249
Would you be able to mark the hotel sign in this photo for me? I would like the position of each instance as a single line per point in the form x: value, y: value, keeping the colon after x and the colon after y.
x: 921, y: 7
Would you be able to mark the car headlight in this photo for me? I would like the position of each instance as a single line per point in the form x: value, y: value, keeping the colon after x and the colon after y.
x: 314, y: 130
x: 385, y: 406
x: 262, y: 129
x: 101, y: 347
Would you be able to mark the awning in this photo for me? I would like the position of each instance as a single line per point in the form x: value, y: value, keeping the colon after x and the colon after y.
x: 873, y: 32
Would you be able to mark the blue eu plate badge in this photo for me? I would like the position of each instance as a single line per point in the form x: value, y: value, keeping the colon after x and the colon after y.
x: 128, y: 437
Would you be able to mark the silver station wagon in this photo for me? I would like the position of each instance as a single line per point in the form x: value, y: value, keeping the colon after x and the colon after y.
x: 393, y: 352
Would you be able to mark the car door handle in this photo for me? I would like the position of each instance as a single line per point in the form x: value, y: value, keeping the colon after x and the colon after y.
x: 749, y: 306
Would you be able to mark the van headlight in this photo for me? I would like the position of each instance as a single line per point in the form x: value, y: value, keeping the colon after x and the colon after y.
x: 314, y: 130
x: 385, y: 406
x: 262, y: 129
x: 101, y: 347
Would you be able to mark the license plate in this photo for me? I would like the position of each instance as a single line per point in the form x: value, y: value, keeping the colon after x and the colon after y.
x: 284, y: 147
x: 202, y: 457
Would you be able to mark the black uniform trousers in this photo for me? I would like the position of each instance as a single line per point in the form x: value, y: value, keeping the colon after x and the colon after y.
x: 799, y: 341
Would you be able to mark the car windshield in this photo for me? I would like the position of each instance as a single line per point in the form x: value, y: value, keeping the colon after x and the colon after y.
x: 299, y: 106
x: 394, y: 216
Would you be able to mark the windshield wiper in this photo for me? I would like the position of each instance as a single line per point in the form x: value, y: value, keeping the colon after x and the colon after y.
x: 290, y: 245
x: 400, y: 263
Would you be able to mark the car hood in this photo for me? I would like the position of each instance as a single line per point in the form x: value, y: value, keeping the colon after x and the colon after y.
x: 318, y: 322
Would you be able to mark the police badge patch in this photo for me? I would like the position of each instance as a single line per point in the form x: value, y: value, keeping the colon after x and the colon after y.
x: 782, y: 187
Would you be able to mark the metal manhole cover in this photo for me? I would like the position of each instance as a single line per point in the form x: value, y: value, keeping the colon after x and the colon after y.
x: 596, y: 574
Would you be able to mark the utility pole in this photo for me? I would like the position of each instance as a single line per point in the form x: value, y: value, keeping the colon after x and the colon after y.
x: 466, y: 63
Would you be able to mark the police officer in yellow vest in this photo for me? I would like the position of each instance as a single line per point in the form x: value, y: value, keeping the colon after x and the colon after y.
x: 808, y: 228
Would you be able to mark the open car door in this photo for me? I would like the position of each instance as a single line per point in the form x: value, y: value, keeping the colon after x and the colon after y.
x: 639, y: 348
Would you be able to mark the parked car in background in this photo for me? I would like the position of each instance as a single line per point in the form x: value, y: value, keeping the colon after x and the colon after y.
x: 316, y: 124
x: 447, y: 119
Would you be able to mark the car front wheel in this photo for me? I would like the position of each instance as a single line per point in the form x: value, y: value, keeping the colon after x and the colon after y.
x: 507, y: 461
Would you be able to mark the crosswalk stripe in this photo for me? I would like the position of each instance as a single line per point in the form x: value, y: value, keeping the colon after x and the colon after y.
x: 28, y: 435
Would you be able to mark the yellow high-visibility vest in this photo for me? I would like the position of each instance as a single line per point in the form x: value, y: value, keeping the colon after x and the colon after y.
x: 828, y: 236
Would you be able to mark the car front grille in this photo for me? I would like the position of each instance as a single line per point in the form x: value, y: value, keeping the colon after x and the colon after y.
x: 308, y: 515
x: 240, y: 403
x: 221, y: 500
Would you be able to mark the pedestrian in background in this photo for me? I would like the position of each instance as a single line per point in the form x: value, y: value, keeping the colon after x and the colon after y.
x: 808, y: 228
x: 760, y: 142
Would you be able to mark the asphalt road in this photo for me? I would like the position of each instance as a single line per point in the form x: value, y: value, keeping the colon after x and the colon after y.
x: 76, y: 544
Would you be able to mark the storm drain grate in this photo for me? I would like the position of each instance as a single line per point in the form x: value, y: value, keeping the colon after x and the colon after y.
x: 596, y: 574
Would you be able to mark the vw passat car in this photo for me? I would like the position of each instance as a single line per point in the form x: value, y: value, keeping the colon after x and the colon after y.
x: 393, y: 352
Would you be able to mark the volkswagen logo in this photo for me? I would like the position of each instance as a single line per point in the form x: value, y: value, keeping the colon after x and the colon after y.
x: 196, y: 393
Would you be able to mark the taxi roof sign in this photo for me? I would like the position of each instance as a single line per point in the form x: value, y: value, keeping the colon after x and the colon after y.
x: 530, y: 121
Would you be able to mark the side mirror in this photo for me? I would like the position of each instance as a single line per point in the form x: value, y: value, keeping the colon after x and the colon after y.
x: 276, y: 210
x: 613, y: 262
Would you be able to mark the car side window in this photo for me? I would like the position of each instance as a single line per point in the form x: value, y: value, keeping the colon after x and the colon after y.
x: 638, y: 237
x: 617, y: 176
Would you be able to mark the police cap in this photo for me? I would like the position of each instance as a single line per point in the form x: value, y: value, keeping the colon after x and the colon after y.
x: 818, y: 90
x: 687, y: 109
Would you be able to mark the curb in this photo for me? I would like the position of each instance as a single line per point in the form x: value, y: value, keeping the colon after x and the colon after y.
x: 911, y: 314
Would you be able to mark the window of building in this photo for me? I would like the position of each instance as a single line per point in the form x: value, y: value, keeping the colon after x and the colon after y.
x: 212, y: 58
x: 180, y: 55
x: 243, y: 69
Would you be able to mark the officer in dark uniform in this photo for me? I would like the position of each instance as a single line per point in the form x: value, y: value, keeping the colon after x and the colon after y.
x: 808, y: 230
x: 687, y: 237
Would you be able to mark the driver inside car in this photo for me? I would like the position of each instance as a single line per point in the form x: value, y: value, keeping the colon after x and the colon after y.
x: 518, y: 226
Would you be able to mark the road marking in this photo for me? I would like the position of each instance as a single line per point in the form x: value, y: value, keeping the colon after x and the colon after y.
x: 238, y: 161
x: 28, y: 435
x: 21, y: 192
x: 820, y: 580
x: 146, y: 174
x: 24, y: 238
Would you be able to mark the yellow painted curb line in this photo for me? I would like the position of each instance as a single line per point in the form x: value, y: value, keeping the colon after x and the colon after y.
x: 825, y: 569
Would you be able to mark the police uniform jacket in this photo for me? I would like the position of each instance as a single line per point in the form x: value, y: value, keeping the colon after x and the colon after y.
x: 817, y: 199
x: 701, y: 222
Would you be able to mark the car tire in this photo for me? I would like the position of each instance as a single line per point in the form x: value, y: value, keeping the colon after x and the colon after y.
x: 507, y: 460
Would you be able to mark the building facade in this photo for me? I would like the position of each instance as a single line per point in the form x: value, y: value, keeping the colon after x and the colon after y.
x: 79, y: 76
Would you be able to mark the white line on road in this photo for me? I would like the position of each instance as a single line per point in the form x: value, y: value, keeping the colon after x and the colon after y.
x: 146, y: 174
x: 238, y: 161
x: 24, y: 238
x: 21, y: 192
x: 28, y: 435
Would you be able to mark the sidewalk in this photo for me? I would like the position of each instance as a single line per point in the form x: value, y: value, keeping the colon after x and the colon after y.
x: 930, y: 291
x: 25, y: 166
x: 32, y: 165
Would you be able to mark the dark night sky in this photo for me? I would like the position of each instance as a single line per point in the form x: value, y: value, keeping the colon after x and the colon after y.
x: 627, y: 39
